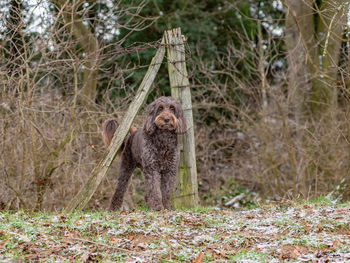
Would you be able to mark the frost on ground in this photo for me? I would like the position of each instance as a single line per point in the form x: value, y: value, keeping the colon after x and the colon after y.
x: 288, y: 233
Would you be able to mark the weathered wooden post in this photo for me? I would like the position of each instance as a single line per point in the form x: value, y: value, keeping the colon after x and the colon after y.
x: 99, y: 172
x: 186, y: 191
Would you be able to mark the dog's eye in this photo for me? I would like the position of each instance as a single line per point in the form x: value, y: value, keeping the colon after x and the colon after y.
x: 160, y: 108
x: 172, y: 108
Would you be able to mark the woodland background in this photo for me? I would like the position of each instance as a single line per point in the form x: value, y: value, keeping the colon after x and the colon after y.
x: 270, y: 90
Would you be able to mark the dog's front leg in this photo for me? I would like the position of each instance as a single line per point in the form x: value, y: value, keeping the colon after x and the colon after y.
x: 153, y: 192
x: 168, y: 181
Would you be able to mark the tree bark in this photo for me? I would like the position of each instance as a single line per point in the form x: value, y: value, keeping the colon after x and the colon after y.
x: 299, y: 40
x: 330, y: 25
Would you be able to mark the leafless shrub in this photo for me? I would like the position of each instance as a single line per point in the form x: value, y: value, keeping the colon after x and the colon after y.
x: 49, y: 119
x: 256, y: 134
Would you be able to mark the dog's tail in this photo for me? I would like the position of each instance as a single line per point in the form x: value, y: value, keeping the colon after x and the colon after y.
x: 108, y: 129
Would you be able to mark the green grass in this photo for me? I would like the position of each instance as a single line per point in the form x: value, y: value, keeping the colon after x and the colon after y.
x: 249, y: 255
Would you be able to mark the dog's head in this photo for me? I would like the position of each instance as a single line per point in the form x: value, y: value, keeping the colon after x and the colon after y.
x: 165, y: 113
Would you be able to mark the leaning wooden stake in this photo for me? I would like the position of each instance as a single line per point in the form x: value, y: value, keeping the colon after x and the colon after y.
x: 186, y: 191
x: 99, y: 172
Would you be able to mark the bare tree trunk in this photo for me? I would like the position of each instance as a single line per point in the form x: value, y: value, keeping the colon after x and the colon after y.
x: 300, y: 42
x: 313, y: 40
x: 330, y: 25
x: 89, y: 44
x: 14, y: 31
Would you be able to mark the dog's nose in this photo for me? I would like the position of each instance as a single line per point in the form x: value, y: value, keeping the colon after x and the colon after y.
x: 166, y: 119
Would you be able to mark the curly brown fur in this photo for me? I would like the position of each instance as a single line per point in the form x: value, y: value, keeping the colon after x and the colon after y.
x: 154, y: 149
x: 108, y: 129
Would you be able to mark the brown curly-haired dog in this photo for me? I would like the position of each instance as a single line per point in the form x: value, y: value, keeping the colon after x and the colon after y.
x: 154, y: 149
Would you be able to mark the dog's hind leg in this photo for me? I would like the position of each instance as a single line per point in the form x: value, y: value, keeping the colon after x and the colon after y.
x: 125, y: 172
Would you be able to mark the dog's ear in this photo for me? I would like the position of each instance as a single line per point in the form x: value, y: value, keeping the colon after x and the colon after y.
x: 108, y: 129
x: 182, y: 123
x: 149, y: 125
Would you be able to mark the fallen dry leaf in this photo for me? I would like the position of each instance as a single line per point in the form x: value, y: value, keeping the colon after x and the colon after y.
x: 219, y: 254
x: 199, y: 258
x: 114, y: 241
x: 290, y: 251
x: 85, y: 257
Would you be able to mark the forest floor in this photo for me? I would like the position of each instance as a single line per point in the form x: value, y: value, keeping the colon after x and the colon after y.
x: 288, y: 232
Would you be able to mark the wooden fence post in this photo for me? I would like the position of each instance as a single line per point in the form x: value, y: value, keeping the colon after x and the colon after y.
x: 186, y: 190
x: 99, y: 172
